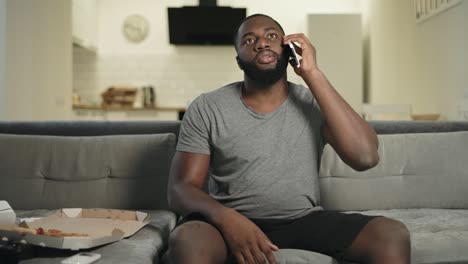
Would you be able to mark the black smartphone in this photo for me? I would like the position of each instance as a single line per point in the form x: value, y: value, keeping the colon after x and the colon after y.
x: 293, y: 55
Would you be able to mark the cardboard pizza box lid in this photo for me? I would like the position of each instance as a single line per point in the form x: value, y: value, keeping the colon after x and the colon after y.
x: 101, y: 226
x: 7, y: 215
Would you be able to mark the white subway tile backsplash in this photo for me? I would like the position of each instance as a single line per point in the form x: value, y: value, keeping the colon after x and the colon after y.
x: 177, y: 78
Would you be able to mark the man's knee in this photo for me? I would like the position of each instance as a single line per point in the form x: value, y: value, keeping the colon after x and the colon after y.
x: 189, y: 235
x: 196, y: 241
x: 181, y: 235
x: 392, y: 240
x: 394, y: 232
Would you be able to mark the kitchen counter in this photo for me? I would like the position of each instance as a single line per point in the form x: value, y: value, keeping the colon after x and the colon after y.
x: 118, y: 108
x: 126, y: 113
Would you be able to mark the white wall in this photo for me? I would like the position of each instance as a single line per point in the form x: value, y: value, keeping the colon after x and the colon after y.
x: 342, y: 64
x: 2, y: 57
x: 179, y: 73
x: 419, y: 64
x: 113, y: 12
x: 38, y: 61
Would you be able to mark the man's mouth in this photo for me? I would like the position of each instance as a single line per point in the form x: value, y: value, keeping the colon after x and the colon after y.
x: 266, y: 56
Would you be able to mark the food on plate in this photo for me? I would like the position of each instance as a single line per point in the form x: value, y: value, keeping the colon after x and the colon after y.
x: 40, y: 231
x: 49, y: 232
x: 58, y: 233
x: 24, y: 230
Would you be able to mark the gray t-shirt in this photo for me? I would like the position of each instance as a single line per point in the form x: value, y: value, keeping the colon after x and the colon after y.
x: 262, y: 165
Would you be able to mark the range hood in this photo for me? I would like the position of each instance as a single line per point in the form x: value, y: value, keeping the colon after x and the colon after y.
x: 205, y: 24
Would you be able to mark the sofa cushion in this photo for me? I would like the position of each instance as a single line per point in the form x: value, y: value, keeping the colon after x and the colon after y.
x: 437, y: 235
x: 119, y: 171
x: 144, y: 247
x: 415, y: 171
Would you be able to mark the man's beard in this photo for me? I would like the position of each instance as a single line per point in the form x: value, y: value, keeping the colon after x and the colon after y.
x: 267, y: 77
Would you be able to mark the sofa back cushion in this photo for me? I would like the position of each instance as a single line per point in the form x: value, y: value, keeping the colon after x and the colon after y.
x: 117, y: 171
x: 427, y: 170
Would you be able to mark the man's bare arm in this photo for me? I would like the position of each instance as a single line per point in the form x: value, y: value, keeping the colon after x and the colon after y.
x: 351, y: 137
x: 185, y: 194
x: 344, y: 129
x: 245, y: 240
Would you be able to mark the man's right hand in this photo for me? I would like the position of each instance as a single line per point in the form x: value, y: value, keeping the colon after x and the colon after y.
x: 245, y: 240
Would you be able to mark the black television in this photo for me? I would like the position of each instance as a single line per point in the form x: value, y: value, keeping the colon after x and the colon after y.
x: 204, y: 25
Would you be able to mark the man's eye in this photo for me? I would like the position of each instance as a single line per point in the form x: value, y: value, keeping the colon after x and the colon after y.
x: 249, y: 41
x: 272, y: 36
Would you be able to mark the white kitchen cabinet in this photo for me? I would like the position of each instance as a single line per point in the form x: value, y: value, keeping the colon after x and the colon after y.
x: 84, y: 13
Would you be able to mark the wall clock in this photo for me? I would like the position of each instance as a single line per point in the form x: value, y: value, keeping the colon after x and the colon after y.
x: 135, y: 28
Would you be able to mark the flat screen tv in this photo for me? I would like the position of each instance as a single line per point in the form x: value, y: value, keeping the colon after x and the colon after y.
x: 204, y: 25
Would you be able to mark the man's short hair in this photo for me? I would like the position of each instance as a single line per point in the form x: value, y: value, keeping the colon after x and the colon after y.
x: 249, y: 17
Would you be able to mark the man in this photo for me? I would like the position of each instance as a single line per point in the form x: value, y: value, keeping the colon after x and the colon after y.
x: 259, y: 141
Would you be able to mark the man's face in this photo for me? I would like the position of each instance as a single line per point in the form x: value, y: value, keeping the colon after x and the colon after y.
x: 260, y: 50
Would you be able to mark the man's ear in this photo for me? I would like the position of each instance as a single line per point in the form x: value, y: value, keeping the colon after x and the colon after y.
x: 238, y: 64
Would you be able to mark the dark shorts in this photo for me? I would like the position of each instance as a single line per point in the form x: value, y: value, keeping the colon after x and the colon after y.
x: 327, y: 232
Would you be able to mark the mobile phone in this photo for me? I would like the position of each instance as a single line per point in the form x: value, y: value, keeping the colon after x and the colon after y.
x: 82, y: 258
x: 294, y: 55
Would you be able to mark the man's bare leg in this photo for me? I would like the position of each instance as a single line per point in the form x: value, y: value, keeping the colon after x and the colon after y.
x: 196, y: 242
x: 382, y: 240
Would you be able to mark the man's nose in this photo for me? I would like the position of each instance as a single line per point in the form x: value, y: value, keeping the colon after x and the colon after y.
x: 262, y: 43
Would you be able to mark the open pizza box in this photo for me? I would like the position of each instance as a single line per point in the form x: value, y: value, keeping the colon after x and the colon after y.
x: 76, y: 228
x: 7, y: 215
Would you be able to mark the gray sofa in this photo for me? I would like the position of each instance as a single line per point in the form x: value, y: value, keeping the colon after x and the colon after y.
x: 45, y: 166
x: 422, y: 180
